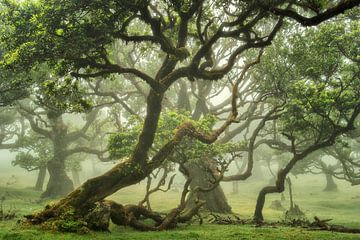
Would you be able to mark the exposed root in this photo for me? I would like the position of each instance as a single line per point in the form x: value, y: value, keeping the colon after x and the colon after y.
x: 227, y: 220
x: 319, y: 224
x: 324, y: 225
x: 98, y: 218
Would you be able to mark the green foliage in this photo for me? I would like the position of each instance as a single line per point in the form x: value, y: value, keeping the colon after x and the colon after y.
x: 60, y: 33
x: 64, y: 95
x: 67, y: 222
x: 34, y: 153
x: 316, y: 75
x: 121, y: 144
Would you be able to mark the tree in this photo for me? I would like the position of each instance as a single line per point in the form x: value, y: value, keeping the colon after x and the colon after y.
x: 320, y: 96
x: 49, y: 123
x: 36, y: 156
x: 74, y: 38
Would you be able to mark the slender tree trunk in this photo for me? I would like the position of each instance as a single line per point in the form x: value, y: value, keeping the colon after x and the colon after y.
x: 215, y: 200
x: 59, y: 183
x: 260, y: 202
x: 40, y: 179
x: 277, y: 188
x: 76, y: 177
x: 290, y: 193
x: 330, y: 184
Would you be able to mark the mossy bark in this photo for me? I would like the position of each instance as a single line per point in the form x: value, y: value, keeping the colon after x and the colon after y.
x: 124, y: 174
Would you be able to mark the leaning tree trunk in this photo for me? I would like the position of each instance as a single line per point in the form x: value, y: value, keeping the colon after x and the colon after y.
x: 59, y: 183
x: 40, y: 179
x: 330, y: 184
x: 277, y: 188
x: 126, y: 173
x: 215, y: 200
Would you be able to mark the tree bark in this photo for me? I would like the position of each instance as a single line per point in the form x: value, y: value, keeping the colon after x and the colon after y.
x: 290, y: 193
x: 124, y: 174
x: 215, y: 200
x: 59, y: 183
x: 40, y: 179
x: 260, y: 202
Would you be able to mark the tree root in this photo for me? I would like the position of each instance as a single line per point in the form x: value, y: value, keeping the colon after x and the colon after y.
x: 325, y: 226
x: 226, y: 220
x: 98, y: 218
x: 322, y: 225
x: 317, y: 225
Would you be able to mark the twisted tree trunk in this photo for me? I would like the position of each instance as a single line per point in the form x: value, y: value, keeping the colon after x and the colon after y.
x: 59, y: 183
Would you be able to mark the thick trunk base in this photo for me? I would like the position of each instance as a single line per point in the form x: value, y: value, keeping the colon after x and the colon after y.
x: 215, y: 200
x: 59, y: 184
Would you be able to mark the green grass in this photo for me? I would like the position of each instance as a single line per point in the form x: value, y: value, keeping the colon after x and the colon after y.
x: 342, y: 207
x: 10, y: 231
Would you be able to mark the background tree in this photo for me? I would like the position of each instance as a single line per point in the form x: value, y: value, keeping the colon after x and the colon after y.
x: 322, y: 99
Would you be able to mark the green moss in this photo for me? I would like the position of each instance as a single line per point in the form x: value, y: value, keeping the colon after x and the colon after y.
x: 68, y: 221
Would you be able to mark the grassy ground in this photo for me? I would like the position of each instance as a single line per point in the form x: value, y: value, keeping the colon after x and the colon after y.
x: 342, y: 206
x: 10, y: 231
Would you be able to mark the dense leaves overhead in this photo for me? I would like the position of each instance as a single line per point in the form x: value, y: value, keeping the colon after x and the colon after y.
x: 57, y: 30
x: 121, y: 144
x: 75, y: 35
x: 317, y: 76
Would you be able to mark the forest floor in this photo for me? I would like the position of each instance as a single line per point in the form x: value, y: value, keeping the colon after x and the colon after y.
x: 342, y: 207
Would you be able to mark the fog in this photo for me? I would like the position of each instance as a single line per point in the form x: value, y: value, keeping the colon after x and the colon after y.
x: 155, y: 119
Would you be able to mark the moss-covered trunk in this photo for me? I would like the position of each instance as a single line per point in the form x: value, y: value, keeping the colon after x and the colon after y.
x: 124, y: 174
